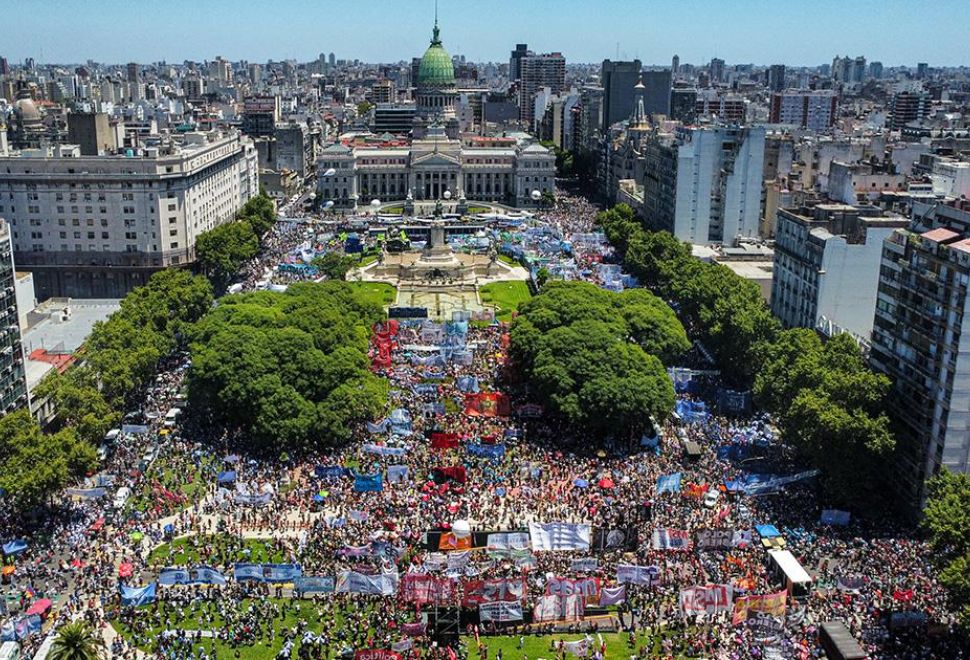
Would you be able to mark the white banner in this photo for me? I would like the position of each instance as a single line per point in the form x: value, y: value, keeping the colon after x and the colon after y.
x: 560, y: 536
x: 558, y: 608
x: 587, y: 565
x: 501, y: 611
x: 670, y: 539
x: 352, y: 582
x: 509, y: 541
x: 641, y: 575
x: 580, y: 648
x: 706, y: 600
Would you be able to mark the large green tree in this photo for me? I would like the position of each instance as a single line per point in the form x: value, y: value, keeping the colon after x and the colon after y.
x: 77, y: 641
x: 947, y: 519
x: 221, y: 251
x: 290, y: 369
x: 334, y: 265
x: 594, y: 356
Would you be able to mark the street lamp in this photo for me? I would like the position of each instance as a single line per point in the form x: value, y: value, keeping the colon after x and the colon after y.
x: 536, y: 195
x: 447, y: 194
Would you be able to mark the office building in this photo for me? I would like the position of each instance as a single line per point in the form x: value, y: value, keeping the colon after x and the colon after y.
x: 394, y: 119
x: 815, y: 110
x: 826, y: 269
x: 97, y: 226
x: 13, y: 379
x: 656, y: 94
x: 537, y: 72
x: 382, y: 92
x: 515, y: 61
x: 683, y: 104
x: 875, y: 70
x: 703, y: 185
x: 716, y: 70
x: 133, y: 72
x: 92, y: 132
x: 618, y: 80
x: 295, y: 149
x: 776, y: 78
x: 719, y: 105
x: 918, y: 342
x: 675, y: 66
x: 907, y: 107
x: 260, y: 114
x: 922, y: 71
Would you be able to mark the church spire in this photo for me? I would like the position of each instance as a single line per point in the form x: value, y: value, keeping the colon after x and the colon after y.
x: 435, y: 39
x: 639, y: 118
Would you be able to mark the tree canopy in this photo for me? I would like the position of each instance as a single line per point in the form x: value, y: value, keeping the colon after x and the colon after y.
x: 947, y: 519
x: 288, y: 369
x: 594, y: 356
x: 221, y: 251
x: 334, y: 265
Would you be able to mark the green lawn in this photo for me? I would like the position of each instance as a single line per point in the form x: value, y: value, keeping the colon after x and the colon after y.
x: 506, y: 259
x: 472, y: 210
x: 229, y: 550
x: 185, y: 478
x: 538, y: 646
x: 368, y: 260
x: 376, y: 292
x: 505, y: 297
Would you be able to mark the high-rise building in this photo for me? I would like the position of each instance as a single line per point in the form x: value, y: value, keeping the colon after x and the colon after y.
x: 815, y: 110
x: 332, y: 59
x: 618, y: 80
x: 683, y: 104
x: 294, y: 149
x: 538, y: 71
x: 703, y: 185
x: 826, y: 268
x: 656, y: 95
x: 918, y: 341
x: 875, y: 70
x: 716, y: 70
x: 97, y: 226
x: 260, y: 114
x: 92, y: 132
x: 922, y: 69
x: 255, y: 73
x: 4, y: 67
x: 776, y: 78
x: 675, y: 66
x: 907, y: 107
x: 13, y: 379
x: 133, y: 72
x: 515, y: 61
x: 858, y: 74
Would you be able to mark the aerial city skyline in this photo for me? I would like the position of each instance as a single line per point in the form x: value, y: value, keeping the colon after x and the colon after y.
x: 433, y: 331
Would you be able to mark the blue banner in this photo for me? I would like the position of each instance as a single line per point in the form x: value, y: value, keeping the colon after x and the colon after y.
x: 227, y: 477
x: 835, y: 517
x: 397, y: 474
x: 14, y: 547
x: 668, y: 483
x: 20, y: 629
x: 137, y: 596
x: 201, y: 575
x: 381, y: 450
x: 267, y: 572
x: 425, y: 388
x: 170, y: 576
x: 313, y: 585
x: 134, y: 429
x: 329, y: 472
x: 486, y: 451
x: 366, y: 483
x: 243, y: 572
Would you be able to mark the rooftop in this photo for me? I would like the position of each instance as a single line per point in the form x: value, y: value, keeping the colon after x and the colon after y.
x: 65, y: 336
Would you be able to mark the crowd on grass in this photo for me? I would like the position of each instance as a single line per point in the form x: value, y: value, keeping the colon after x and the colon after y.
x: 80, y: 551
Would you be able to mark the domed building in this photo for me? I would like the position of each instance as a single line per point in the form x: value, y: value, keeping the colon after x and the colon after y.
x: 436, y: 91
x: 28, y: 126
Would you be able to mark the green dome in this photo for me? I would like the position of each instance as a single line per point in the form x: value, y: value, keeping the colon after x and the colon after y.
x: 436, y: 68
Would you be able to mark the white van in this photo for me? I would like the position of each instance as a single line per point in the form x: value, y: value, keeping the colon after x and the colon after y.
x: 120, y: 498
x: 9, y: 651
x: 112, y: 435
x: 171, y: 417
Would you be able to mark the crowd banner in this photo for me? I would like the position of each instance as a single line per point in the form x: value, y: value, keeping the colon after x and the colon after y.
x: 835, y: 517
x: 670, y: 539
x: 381, y: 450
x: 613, y: 595
x: 715, y: 539
x: 413, y: 629
x: 367, y: 483
x: 451, y: 542
x: 380, y: 427
x: 329, y: 471
x: 588, y: 588
x: 646, y: 576
x: 276, y: 573
x: 668, y: 483
x: 376, y: 654
x: 454, y: 473
x: 851, y: 583
x: 710, y: 599
x: 777, y: 482
x: 136, y: 596
x: 16, y: 630
x: 567, y: 609
x: 493, y: 591
x: 201, y: 575
x: 500, y: 611
x: 397, y: 474
x: 251, y: 499
x: 314, y: 584
x: 560, y: 536
x: 487, y: 404
x: 504, y: 544
x: 457, y: 561
x: 586, y: 565
x: 352, y: 582
x: 425, y: 589
x: 86, y: 493
x: 494, y: 452
x: 403, y: 646
x: 773, y: 604
x: 445, y: 440
x: 580, y: 648
x: 242, y: 572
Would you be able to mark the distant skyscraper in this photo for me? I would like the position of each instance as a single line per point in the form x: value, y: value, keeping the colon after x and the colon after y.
x: 4, y: 67
x: 656, y: 97
x: 618, y: 80
x: 133, y: 71
x: 538, y: 71
x: 776, y: 78
x: 333, y: 59
x: 717, y: 70
x: 858, y: 70
x: 908, y: 107
x: 875, y: 70
x: 922, y: 69
x: 816, y: 110
x: 515, y: 61
x: 675, y: 65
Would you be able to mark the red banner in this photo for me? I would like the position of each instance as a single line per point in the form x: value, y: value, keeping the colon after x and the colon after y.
x: 454, y: 473
x: 487, y: 404
x: 445, y: 440
x: 449, y: 541
x: 493, y: 591
x: 376, y: 654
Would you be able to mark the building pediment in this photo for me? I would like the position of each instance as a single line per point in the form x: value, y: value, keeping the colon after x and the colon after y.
x: 435, y: 160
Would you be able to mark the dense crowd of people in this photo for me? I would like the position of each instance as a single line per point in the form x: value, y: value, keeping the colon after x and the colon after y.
x: 451, y: 468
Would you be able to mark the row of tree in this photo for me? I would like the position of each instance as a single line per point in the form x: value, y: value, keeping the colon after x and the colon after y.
x: 221, y: 251
x: 120, y: 356
x: 827, y: 403
x: 947, y: 519
x: 288, y: 370
x: 595, y: 357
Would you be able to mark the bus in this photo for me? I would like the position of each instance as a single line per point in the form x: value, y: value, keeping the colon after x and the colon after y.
x: 786, y: 569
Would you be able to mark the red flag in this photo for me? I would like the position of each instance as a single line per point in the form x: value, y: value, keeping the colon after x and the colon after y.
x: 904, y: 595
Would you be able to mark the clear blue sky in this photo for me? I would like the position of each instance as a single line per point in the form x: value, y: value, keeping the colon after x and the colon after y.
x: 739, y: 31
